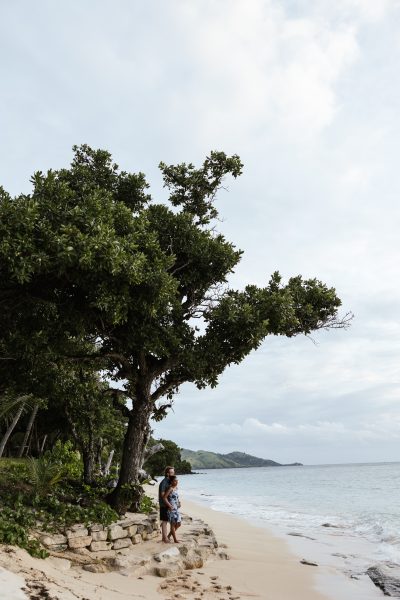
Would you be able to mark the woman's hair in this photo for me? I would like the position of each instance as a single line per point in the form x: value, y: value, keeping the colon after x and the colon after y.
x: 173, y: 480
x: 166, y: 471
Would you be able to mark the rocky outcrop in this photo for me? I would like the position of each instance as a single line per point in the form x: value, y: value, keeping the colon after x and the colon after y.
x: 131, y: 546
x: 386, y: 578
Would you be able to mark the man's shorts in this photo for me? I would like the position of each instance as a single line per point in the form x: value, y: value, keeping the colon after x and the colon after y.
x: 163, y: 513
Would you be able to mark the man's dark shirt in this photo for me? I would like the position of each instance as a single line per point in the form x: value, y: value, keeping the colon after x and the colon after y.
x: 162, y: 488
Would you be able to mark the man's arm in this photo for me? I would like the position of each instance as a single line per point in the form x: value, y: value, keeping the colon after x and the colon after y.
x: 165, y: 497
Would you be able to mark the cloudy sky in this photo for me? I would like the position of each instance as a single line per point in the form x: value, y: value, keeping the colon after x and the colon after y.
x: 307, y: 92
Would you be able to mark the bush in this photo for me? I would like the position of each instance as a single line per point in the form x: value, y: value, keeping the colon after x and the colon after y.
x: 67, y: 458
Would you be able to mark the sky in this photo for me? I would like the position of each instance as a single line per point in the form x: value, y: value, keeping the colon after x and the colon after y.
x: 307, y: 92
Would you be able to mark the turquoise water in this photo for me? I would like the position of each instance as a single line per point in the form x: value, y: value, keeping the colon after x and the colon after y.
x: 360, y: 500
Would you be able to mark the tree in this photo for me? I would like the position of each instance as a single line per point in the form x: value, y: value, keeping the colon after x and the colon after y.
x: 170, y: 455
x: 144, y: 285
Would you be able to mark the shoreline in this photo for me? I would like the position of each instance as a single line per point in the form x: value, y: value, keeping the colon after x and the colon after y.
x: 331, y: 579
x: 262, y: 565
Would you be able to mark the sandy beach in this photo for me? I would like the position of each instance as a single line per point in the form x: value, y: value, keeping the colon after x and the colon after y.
x: 261, y: 566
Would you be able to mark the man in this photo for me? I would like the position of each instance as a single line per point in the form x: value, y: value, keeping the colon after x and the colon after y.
x: 162, y: 488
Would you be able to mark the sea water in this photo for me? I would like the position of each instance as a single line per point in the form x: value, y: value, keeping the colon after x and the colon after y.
x: 348, y: 502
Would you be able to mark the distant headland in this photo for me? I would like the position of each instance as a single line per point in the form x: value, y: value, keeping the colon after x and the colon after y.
x: 202, y: 459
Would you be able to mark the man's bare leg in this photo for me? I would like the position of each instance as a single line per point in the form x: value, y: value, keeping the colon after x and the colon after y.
x: 164, y: 526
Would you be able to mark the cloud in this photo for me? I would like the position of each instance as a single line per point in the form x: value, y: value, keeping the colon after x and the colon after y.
x: 307, y: 93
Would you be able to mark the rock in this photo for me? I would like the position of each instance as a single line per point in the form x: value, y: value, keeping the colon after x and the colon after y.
x: 295, y: 534
x: 386, y: 579
x: 192, y: 560
x: 77, y: 527
x: 58, y: 548
x: 95, y: 568
x: 169, y: 569
x: 53, y: 540
x: 308, y: 562
x: 96, y: 527
x: 223, y: 555
x: 144, y: 535
x: 126, y: 523
x: 116, y: 532
x: 99, y: 546
x: 329, y: 525
x: 172, y: 552
x: 132, y: 530
x: 101, y: 554
x: 80, y: 542
x: 153, y: 535
x: 187, y: 547
x: 130, y: 562
x: 75, y: 533
x: 137, y: 539
x: 99, y: 536
x: 122, y: 543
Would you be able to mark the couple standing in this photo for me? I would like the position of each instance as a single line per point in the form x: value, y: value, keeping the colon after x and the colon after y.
x: 168, y: 498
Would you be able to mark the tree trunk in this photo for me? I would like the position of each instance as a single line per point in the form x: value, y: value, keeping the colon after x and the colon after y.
x: 11, y: 428
x: 88, y: 465
x: 135, y: 441
x: 43, y: 445
x: 28, y: 430
x: 108, y: 463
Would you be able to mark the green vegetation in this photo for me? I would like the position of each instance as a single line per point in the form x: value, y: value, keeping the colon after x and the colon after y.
x: 170, y: 455
x: 201, y: 459
x: 109, y: 303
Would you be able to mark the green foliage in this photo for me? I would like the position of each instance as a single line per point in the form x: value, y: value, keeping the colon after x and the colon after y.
x: 66, y: 458
x: 146, y: 505
x: 25, y: 507
x: 93, y: 272
x: 44, y: 474
x: 14, y: 533
x: 202, y: 459
x: 171, y: 455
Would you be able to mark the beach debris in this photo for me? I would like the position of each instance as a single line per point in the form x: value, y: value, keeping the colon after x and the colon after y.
x: 329, y: 525
x: 311, y: 563
x: 386, y: 578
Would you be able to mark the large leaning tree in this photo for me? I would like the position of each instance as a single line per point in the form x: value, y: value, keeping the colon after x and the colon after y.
x: 92, y: 269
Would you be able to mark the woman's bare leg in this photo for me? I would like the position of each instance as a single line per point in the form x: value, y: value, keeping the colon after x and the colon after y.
x: 173, y: 532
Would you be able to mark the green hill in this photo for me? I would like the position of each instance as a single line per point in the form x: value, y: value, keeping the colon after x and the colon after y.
x: 201, y: 459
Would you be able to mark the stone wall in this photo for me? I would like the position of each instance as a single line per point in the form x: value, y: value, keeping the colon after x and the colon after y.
x: 133, y: 529
x: 116, y: 547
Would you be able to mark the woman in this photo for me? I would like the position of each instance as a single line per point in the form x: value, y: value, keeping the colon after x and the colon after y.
x: 171, y: 498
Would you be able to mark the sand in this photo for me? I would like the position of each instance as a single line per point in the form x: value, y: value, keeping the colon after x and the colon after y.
x: 261, y: 566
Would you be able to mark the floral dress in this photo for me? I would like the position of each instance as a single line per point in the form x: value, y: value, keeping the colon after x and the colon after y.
x: 174, y: 515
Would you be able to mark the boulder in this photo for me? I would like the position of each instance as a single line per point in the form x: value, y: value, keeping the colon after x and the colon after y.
x: 132, y: 530
x: 95, y: 568
x: 53, y: 540
x: 137, y: 539
x: 386, y: 578
x: 116, y: 532
x: 77, y: 532
x: 193, y: 560
x: 169, y: 569
x: 99, y: 536
x: 168, y: 554
x: 96, y: 527
x: 99, y: 546
x: 122, y: 543
x: 80, y: 542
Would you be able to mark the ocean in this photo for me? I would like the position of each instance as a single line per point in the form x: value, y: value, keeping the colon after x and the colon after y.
x: 350, y: 510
